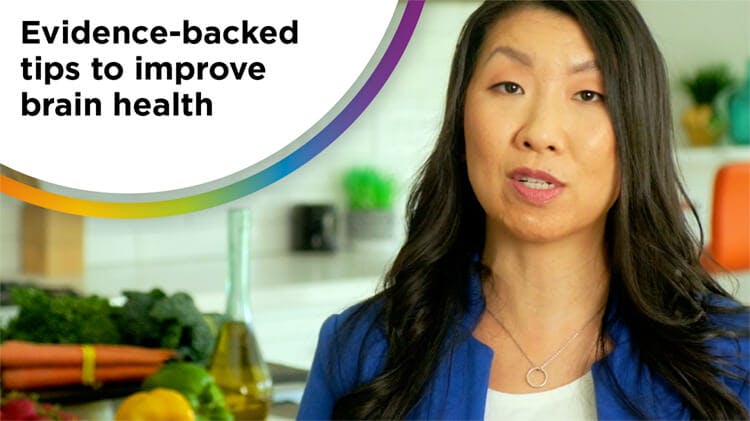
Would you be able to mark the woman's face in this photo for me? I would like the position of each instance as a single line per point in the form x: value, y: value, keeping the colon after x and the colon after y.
x: 540, y: 148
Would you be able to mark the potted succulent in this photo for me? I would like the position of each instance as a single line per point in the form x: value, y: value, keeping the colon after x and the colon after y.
x: 702, y: 121
x: 371, y: 195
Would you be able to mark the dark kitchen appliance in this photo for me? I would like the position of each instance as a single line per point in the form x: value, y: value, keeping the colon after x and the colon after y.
x: 314, y: 228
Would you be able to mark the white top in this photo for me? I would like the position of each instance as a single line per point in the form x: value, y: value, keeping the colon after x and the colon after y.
x: 573, y: 401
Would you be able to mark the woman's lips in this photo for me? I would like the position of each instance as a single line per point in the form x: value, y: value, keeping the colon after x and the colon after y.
x: 534, y: 186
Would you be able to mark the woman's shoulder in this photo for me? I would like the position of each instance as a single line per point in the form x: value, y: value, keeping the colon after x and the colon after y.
x: 733, y: 320
x: 726, y: 312
x: 731, y: 348
x: 355, y: 324
x: 354, y: 344
x: 351, y: 351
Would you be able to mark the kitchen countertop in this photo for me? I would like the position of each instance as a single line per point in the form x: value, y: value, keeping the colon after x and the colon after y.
x: 291, y: 294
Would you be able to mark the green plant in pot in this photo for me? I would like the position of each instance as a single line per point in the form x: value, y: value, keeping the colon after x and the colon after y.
x: 371, y: 195
x: 702, y: 121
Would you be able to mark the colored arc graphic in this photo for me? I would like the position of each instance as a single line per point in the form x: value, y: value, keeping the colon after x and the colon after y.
x: 244, y: 187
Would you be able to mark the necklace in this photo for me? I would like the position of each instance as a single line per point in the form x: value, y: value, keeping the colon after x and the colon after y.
x: 541, y: 369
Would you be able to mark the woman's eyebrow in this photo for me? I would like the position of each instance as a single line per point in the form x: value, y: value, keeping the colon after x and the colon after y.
x: 525, y: 59
x: 584, y: 66
x: 511, y: 53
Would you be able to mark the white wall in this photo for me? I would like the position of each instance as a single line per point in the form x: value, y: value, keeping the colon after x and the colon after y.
x: 10, y: 236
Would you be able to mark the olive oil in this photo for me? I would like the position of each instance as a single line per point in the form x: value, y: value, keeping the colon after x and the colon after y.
x: 237, y: 364
x: 240, y: 372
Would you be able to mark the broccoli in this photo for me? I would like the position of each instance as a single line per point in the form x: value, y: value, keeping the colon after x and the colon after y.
x: 61, y: 319
x: 136, y: 327
x: 157, y: 320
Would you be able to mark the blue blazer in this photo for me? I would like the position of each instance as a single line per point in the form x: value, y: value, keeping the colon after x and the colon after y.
x: 458, y: 389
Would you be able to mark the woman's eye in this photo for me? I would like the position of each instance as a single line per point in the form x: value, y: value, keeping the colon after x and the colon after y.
x: 589, y: 96
x: 508, y: 88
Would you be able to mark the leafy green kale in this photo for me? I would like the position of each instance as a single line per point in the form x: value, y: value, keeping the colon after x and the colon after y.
x: 61, y: 319
x: 154, y: 319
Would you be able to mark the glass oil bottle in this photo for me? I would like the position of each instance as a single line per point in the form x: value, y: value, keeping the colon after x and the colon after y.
x: 237, y: 365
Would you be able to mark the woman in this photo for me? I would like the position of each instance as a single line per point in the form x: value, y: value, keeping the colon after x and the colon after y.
x: 548, y: 270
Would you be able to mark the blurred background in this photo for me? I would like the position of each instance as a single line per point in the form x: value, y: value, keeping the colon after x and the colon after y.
x: 309, y: 255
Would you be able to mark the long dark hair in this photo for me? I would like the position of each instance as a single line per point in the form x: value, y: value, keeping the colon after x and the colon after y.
x: 654, y: 259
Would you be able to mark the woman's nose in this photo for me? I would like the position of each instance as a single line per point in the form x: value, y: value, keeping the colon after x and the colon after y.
x: 542, y: 129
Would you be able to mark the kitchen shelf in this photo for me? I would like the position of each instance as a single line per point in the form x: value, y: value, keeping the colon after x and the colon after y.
x: 720, y: 153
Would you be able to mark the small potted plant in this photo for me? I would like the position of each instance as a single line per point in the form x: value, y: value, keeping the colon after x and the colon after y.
x: 702, y: 121
x: 371, y: 195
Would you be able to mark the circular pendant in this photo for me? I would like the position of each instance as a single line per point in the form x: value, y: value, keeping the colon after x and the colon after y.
x: 531, y: 371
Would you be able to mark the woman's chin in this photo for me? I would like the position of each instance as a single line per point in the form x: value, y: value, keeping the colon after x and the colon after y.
x: 537, y: 235
x: 535, y: 230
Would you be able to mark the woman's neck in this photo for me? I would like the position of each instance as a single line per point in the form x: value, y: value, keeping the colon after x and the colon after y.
x: 551, y: 286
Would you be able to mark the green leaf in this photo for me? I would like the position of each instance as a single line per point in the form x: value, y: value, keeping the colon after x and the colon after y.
x: 707, y: 83
x: 61, y: 319
x: 366, y: 188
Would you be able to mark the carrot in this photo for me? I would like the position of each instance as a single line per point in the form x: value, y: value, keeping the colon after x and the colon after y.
x: 27, y: 354
x: 32, y: 378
